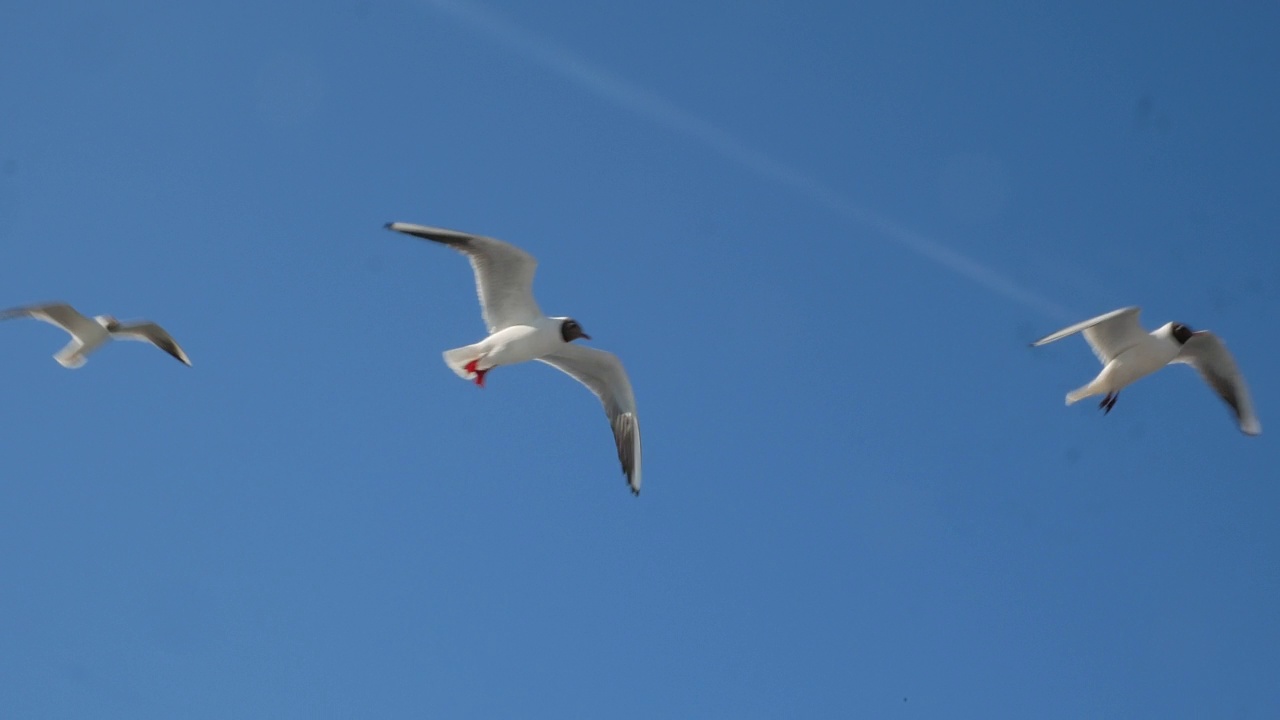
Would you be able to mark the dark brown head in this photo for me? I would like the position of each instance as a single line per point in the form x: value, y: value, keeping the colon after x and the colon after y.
x: 570, y: 330
x: 1181, y: 333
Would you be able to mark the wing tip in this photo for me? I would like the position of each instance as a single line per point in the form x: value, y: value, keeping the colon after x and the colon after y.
x: 631, y: 463
x: 444, y: 236
x: 409, y: 228
x: 30, y: 309
x: 632, y: 476
x: 1051, y: 337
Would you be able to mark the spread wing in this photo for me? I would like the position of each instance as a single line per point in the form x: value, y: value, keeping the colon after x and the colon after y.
x: 504, y: 273
x: 55, y: 313
x: 603, y: 373
x: 151, y: 333
x: 1108, y: 335
x: 1206, y: 353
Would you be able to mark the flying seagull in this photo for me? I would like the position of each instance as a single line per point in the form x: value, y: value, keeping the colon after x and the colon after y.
x: 89, y: 334
x: 1128, y: 353
x: 519, y: 332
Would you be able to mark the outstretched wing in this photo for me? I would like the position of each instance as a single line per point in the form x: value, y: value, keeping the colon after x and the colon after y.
x: 151, y: 333
x: 603, y: 373
x: 504, y: 273
x: 58, y: 314
x: 1108, y: 335
x: 1206, y: 353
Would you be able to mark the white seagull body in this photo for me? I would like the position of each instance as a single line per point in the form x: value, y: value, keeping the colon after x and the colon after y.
x: 1128, y: 353
x: 519, y: 332
x: 89, y: 334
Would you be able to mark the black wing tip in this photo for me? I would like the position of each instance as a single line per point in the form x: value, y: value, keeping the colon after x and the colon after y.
x: 404, y: 227
x: 628, y: 476
x: 172, y: 349
x: 444, y: 237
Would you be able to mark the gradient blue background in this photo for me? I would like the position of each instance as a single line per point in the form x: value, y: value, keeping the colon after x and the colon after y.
x: 820, y: 236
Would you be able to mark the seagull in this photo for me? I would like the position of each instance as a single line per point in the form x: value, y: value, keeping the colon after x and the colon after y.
x: 89, y: 334
x: 1128, y: 353
x: 519, y: 332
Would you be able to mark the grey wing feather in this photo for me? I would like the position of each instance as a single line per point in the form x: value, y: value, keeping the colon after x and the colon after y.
x: 1108, y: 335
x: 154, y: 334
x: 1209, y: 356
x: 58, y: 314
x: 603, y: 374
x: 504, y: 273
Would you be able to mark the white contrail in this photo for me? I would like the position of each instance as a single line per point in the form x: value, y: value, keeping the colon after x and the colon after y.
x: 631, y: 97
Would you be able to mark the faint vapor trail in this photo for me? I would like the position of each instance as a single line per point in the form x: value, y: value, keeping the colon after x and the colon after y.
x: 631, y: 97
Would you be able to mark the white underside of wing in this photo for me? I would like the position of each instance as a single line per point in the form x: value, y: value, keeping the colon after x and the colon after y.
x: 1209, y: 356
x: 603, y: 374
x: 59, y: 315
x: 503, y: 273
x: 1108, y: 334
x: 152, y: 334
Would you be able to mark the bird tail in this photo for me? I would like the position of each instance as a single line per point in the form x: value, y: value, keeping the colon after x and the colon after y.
x: 70, y: 356
x: 459, y: 358
x: 1081, y: 393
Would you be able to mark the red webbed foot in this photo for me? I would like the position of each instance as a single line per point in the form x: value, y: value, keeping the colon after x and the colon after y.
x: 471, y: 368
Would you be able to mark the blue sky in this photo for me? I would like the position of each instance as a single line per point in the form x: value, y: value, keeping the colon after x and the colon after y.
x: 820, y: 237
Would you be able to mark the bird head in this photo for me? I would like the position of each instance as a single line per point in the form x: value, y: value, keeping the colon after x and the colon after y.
x: 107, y: 321
x: 1180, y: 332
x: 570, y: 330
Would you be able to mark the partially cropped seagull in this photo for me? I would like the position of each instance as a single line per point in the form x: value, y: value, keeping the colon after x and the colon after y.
x: 1128, y: 353
x: 89, y: 334
x: 518, y: 332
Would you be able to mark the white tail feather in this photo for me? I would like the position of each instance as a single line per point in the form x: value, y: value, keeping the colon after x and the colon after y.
x: 70, y: 356
x: 1079, y: 394
x: 458, y: 358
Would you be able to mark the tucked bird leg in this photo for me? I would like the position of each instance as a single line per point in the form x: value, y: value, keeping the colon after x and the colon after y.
x: 1108, y: 402
x: 471, y: 368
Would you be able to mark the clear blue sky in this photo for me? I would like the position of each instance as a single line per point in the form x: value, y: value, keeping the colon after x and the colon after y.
x: 819, y: 236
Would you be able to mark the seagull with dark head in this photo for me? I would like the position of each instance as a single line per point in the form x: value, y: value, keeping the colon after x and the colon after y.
x: 519, y: 332
x: 90, y: 334
x: 1129, y: 353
